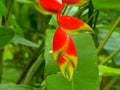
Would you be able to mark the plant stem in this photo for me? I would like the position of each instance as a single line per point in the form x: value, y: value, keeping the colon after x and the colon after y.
x: 107, y: 36
x: 110, y: 84
x: 110, y: 56
x: 1, y: 63
x: 33, y: 69
x: 10, y: 5
x: 39, y: 51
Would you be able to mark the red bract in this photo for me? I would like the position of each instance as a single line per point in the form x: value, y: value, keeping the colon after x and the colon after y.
x: 51, y: 6
x: 72, y: 24
x: 60, y: 42
x: 64, y: 53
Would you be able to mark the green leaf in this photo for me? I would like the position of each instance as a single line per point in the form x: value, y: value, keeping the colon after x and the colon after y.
x: 6, y: 35
x: 58, y: 82
x: 24, y: 1
x: 3, y: 9
x: 15, y: 87
x: 106, y: 4
x: 86, y: 75
x: 20, y: 40
x: 108, y: 71
x: 12, y: 22
x: 51, y: 67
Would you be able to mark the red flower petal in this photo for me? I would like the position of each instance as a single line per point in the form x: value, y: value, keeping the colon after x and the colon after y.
x: 52, y: 6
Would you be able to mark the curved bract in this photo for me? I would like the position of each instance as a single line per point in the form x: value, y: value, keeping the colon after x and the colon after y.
x: 73, y: 25
x: 50, y: 6
x: 60, y: 43
x: 64, y: 53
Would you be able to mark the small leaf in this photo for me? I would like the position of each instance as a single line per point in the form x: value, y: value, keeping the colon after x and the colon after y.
x: 108, y: 71
x: 6, y: 35
x: 20, y: 40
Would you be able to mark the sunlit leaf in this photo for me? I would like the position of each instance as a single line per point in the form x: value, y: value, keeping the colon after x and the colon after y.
x: 108, y: 71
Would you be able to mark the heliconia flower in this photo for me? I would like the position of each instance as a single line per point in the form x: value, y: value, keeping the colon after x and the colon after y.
x: 73, y: 25
x: 49, y: 6
x: 64, y: 53
x: 75, y: 2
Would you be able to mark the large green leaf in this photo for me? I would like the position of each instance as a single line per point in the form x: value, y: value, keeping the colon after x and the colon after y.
x: 86, y: 75
x: 15, y: 87
x: 6, y: 35
x: 107, y: 4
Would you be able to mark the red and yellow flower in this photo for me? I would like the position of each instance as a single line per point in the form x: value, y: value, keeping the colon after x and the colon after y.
x: 64, y: 51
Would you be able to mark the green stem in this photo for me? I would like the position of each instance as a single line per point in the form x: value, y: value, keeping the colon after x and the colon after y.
x: 33, y: 69
x: 10, y: 5
x: 39, y: 51
x: 1, y: 63
x: 110, y: 84
x: 110, y: 56
x: 107, y: 36
x: 96, y: 18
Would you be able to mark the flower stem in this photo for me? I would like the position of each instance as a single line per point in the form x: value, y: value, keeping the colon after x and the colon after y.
x: 107, y: 36
x: 1, y: 63
x: 10, y: 5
